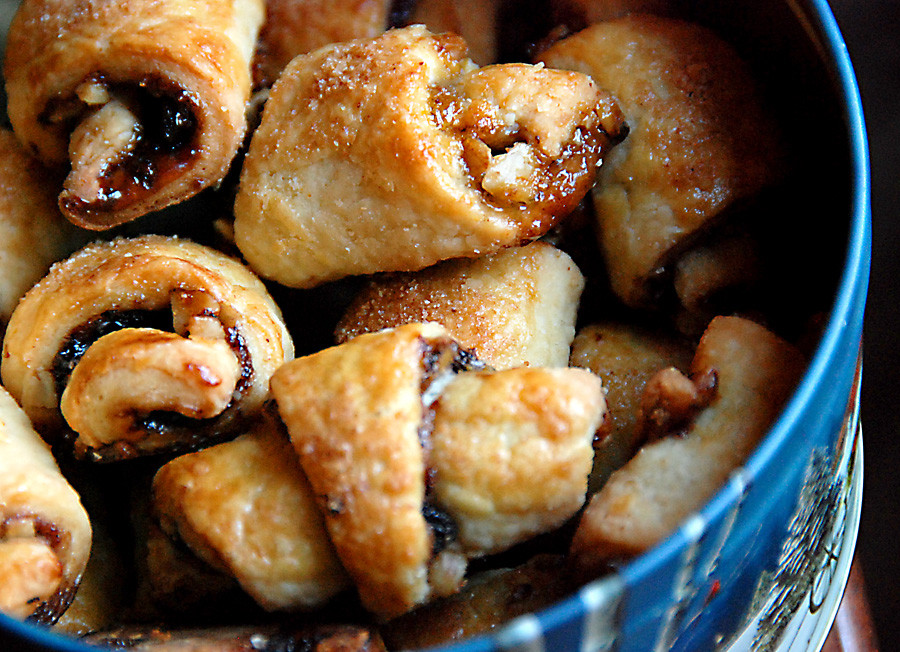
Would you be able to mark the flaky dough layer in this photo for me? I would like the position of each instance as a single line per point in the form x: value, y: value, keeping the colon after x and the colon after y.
x: 152, y: 93
x: 159, y: 325
x: 700, y: 139
x: 42, y: 522
x: 394, y: 153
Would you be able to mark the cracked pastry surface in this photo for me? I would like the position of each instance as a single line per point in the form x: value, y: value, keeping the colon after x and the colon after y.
x: 746, y: 373
x: 143, y: 345
x: 700, y: 139
x: 516, y: 307
x: 245, y: 507
x: 401, y: 421
x: 144, y: 101
x: 394, y: 153
x: 45, y: 534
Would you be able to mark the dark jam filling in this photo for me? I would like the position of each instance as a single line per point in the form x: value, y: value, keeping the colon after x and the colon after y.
x: 168, y: 126
x: 82, y: 337
x: 170, y: 431
x: 439, y: 357
x: 444, y: 530
x: 165, y: 142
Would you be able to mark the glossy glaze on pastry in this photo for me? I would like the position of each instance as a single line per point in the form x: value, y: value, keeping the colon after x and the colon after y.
x: 144, y: 345
x: 144, y: 101
x: 700, y: 140
x: 394, y: 153
x: 513, y: 308
x: 45, y: 534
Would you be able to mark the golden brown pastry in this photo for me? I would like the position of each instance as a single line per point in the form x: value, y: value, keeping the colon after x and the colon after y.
x: 707, y: 277
x: 474, y: 20
x: 395, y: 153
x: 33, y: 232
x: 513, y: 308
x: 45, y: 534
x: 393, y: 423
x: 625, y: 357
x: 246, y: 508
x: 144, y: 345
x: 295, y: 27
x: 707, y: 425
x: 512, y: 451
x: 143, y: 100
x: 354, y: 414
x: 700, y: 140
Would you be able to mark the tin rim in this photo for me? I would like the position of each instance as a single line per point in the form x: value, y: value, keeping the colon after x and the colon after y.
x: 843, y: 331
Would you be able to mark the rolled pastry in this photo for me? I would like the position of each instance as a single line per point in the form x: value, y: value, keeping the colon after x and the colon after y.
x: 294, y: 27
x: 144, y: 345
x: 380, y: 431
x: 513, y: 308
x: 45, y: 534
x: 246, y: 508
x: 512, y: 451
x: 625, y: 357
x: 144, y: 100
x: 33, y: 233
x: 705, y: 426
x: 700, y: 140
x: 395, y: 153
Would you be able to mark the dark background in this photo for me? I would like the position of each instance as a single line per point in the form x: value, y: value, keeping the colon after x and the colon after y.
x: 871, y: 30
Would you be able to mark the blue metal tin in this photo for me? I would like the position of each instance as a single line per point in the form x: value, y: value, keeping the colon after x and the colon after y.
x: 745, y: 571
x: 763, y: 564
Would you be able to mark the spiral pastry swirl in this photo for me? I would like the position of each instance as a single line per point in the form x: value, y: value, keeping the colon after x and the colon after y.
x: 45, y: 534
x: 144, y: 101
x: 143, y: 345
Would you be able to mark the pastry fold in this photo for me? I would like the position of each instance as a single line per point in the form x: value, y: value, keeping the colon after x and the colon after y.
x: 246, y: 508
x: 625, y: 357
x: 402, y: 422
x: 144, y: 345
x: 144, y: 100
x: 700, y: 141
x: 513, y: 308
x: 45, y: 534
x: 394, y: 153
x: 704, y: 426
